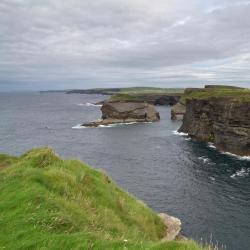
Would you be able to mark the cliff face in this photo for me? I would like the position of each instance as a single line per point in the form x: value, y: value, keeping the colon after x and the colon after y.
x: 130, y: 110
x: 169, y: 100
x: 126, y: 112
x: 223, y: 121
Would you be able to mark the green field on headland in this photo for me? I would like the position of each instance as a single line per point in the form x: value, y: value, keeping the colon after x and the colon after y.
x: 131, y: 90
x: 146, y: 94
x: 50, y: 203
x: 217, y: 91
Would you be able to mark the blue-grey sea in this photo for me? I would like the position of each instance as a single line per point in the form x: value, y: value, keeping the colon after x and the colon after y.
x: 208, y: 190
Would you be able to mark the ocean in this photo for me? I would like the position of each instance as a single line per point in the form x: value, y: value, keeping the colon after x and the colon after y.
x: 207, y: 189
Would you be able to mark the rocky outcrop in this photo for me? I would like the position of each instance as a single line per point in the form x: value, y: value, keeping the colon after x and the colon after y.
x: 178, y: 111
x: 222, y: 121
x: 173, y: 227
x: 125, y: 112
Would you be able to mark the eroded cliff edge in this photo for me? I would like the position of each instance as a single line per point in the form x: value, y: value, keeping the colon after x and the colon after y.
x: 224, y: 121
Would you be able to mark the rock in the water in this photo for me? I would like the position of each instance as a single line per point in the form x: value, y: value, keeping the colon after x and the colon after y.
x: 178, y: 111
x: 173, y: 226
x: 125, y: 112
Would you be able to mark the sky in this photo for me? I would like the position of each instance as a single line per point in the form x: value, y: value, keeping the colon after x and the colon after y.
x: 55, y: 44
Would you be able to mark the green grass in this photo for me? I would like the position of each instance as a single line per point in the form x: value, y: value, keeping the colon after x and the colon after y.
x: 232, y: 93
x: 152, y: 90
x: 50, y: 203
x: 144, y: 94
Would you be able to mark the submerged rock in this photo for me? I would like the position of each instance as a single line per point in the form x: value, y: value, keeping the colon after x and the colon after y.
x: 125, y: 112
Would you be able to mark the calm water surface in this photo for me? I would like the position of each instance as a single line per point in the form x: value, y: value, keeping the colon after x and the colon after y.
x: 208, y: 191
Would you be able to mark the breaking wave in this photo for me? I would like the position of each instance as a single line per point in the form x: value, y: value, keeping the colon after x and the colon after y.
x: 241, y: 173
x: 175, y: 132
x: 88, y: 104
x: 204, y: 159
x: 243, y: 158
x: 78, y: 126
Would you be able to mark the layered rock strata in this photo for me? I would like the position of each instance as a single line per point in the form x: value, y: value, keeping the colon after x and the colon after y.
x: 125, y: 112
x: 222, y: 121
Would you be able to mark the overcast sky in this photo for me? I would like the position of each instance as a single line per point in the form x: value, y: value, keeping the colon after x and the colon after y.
x: 55, y: 44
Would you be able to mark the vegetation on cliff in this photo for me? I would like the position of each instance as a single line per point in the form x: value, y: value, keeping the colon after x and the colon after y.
x: 216, y: 91
x: 50, y: 203
x: 131, y: 90
x: 220, y: 115
x: 151, y: 95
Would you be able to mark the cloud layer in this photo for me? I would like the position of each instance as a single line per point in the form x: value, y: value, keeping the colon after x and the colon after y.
x: 52, y: 44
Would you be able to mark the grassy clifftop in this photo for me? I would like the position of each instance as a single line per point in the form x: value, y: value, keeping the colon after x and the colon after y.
x: 50, y: 203
x: 140, y: 94
x: 216, y: 91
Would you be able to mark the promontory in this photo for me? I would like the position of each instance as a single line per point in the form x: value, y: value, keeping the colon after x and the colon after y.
x: 220, y: 115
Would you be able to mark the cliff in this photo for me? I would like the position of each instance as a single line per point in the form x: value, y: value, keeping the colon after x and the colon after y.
x: 178, y: 110
x: 223, y: 120
x: 125, y: 112
x: 50, y: 203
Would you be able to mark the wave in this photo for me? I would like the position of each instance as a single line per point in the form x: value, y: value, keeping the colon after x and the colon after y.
x: 211, y: 145
x: 119, y: 124
x: 78, y: 126
x: 204, y: 159
x: 88, y: 104
x: 241, y: 173
x: 243, y: 158
x: 175, y: 132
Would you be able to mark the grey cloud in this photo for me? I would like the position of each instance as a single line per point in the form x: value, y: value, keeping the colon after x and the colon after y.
x: 59, y: 44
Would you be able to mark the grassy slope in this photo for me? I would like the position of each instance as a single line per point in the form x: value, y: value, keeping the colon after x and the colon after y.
x: 49, y: 203
x: 236, y: 94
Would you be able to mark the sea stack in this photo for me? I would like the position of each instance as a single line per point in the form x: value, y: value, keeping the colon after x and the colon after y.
x: 125, y: 112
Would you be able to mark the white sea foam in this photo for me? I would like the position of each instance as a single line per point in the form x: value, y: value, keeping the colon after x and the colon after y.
x: 243, y: 158
x: 175, y: 132
x: 88, y: 104
x: 241, y: 173
x: 119, y: 124
x: 78, y: 126
x: 211, y: 145
x: 204, y: 159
